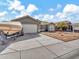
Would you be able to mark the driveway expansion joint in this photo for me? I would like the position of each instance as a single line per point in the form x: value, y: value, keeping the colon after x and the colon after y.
x: 46, y: 48
x: 67, y: 53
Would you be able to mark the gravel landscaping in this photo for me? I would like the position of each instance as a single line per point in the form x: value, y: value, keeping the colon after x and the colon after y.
x: 64, y: 36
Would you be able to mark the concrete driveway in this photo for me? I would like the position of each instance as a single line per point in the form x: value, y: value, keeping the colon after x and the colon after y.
x: 20, y: 38
x: 41, y: 47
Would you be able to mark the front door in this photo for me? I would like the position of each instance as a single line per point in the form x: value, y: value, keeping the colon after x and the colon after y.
x: 46, y: 29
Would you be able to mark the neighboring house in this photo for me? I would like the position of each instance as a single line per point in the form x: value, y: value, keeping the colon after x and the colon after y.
x: 76, y: 27
x: 30, y: 25
x: 51, y: 27
x: 46, y: 26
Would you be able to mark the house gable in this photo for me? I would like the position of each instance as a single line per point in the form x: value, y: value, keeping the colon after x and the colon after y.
x: 27, y: 20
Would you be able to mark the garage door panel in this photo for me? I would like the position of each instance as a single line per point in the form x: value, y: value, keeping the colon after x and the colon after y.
x: 30, y: 28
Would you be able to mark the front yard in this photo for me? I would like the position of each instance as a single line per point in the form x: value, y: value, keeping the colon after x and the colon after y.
x: 64, y: 36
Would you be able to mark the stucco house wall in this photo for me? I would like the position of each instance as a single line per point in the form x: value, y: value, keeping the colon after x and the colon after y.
x: 29, y: 23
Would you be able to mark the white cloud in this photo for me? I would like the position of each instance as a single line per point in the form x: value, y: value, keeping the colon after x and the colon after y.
x: 60, y: 15
x: 31, y: 8
x: 14, y: 12
x: 47, y: 17
x: 17, y: 16
x: 3, y: 19
x: 44, y: 17
x: 39, y: 16
x: 3, y: 13
x: 3, y: 16
x: 16, y: 5
x: 28, y: 11
x: 51, y: 9
x: 70, y: 13
x: 71, y: 8
x: 23, y: 13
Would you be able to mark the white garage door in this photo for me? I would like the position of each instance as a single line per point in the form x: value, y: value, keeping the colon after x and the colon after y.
x: 30, y: 28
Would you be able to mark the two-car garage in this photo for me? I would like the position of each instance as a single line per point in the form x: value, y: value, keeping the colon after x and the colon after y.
x: 30, y: 28
x: 30, y: 25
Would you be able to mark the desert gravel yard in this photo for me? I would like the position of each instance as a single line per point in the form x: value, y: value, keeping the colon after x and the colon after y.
x: 64, y: 36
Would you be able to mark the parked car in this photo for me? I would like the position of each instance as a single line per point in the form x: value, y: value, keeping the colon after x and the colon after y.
x: 12, y: 28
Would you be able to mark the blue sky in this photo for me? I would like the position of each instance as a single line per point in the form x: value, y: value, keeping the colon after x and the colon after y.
x: 46, y: 10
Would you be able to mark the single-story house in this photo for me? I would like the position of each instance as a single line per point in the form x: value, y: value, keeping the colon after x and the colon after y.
x: 30, y: 25
x: 76, y: 27
x: 51, y: 26
x: 43, y: 26
x: 47, y: 26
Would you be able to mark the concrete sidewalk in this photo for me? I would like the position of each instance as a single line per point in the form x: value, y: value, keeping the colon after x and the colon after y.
x: 42, y: 47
